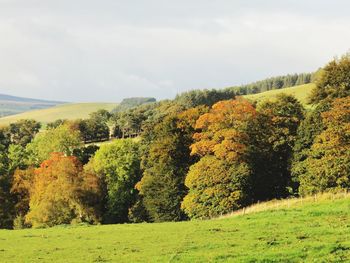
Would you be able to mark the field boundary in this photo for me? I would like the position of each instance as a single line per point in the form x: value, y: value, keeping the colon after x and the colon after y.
x: 277, y: 204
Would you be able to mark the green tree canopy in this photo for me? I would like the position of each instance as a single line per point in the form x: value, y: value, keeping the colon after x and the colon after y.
x: 22, y: 132
x: 118, y: 164
x: 334, y: 81
x: 166, y: 164
x: 273, y: 149
x: 64, y: 139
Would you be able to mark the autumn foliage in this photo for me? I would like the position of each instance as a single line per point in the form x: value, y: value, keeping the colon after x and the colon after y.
x: 203, y: 154
x: 219, y: 181
x: 56, y: 192
x: 328, y: 162
x: 222, y: 130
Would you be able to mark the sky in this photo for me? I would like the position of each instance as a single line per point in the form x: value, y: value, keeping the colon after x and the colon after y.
x: 107, y: 50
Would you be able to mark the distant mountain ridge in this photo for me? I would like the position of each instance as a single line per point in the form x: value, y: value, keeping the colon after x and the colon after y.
x: 4, y: 97
x: 10, y: 105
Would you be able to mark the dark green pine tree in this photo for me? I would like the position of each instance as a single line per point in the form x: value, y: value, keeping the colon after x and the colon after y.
x: 7, y: 201
x: 166, y: 164
x: 272, y: 149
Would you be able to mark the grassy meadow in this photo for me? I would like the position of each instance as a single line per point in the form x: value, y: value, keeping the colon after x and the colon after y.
x: 298, y: 230
x: 301, y: 92
x: 69, y: 111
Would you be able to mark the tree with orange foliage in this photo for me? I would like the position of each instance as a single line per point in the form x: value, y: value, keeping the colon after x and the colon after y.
x: 59, y: 192
x: 223, y: 131
x: 219, y: 182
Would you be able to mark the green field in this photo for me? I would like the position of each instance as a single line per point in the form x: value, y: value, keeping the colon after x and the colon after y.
x: 300, y: 92
x: 67, y: 111
x: 298, y: 230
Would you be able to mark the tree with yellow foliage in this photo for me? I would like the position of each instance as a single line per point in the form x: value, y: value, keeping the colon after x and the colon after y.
x: 59, y: 192
x: 328, y: 163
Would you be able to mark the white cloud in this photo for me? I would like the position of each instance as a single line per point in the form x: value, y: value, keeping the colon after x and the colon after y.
x: 108, y: 50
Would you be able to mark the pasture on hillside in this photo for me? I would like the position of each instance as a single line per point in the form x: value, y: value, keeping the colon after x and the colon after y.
x: 308, y: 230
x: 69, y: 111
x: 300, y: 92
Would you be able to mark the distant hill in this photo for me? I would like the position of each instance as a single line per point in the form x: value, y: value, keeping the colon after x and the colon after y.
x: 47, y: 111
x: 10, y: 105
x: 16, y: 108
x: 27, y: 100
x: 132, y: 103
x: 68, y: 111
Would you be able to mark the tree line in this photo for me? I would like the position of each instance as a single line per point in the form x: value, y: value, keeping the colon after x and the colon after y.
x: 279, y: 82
x: 201, y: 155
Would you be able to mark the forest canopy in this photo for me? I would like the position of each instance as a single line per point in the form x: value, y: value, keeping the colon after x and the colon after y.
x: 201, y: 155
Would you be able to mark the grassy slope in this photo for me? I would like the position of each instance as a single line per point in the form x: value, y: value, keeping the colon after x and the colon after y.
x: 300, y: 231
x: 300, y: 92
x: 66, y: 111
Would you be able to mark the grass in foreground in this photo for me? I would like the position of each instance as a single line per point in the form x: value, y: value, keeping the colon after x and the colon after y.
x: 66, y: 111
x: 308, y: 231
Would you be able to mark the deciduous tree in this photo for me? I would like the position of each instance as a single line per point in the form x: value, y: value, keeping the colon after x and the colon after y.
x: 23, y: 132
x: 58, y: 191
x: 166, y: 165
x: 61, y: 139
x: 328, y: 162
x: 219, y: 182
x: 118, y: 164
x: 333, y: 82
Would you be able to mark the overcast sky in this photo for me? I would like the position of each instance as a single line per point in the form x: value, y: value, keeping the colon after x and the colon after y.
x: 106, y: 50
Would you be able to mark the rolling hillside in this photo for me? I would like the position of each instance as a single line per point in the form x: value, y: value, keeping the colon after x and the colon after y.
x: 10, y: 105
x: 299, y: 230
x: 300, y: 92
x: 67, y: 111
x: 82, y: 110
